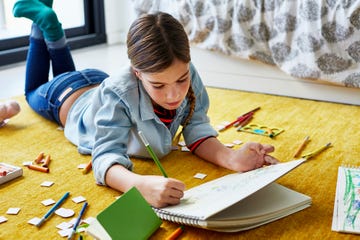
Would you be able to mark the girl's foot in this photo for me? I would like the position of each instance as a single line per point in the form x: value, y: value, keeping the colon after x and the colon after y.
x: 42, y: 15
x: 8, y: 110
x: 48, y: 3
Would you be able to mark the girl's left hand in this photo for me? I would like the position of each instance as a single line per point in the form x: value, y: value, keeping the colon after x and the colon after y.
x: 251, y: 156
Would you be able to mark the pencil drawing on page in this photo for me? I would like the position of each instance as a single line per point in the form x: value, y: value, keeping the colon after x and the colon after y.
x: 352, y: 199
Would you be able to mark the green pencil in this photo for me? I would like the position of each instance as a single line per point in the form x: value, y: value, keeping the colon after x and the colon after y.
x: 152, y: 154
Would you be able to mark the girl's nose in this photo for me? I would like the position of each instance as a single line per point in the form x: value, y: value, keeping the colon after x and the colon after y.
x: 172, y: 93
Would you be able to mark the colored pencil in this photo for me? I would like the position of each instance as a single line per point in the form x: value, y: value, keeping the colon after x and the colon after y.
x: 78, y: 221
x: 301, y: 147
x: 152, y: 154
x: 52, y: 210
x: 174, y: 235
x: 239, y: 119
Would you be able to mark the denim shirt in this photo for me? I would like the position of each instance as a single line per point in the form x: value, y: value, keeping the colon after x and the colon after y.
x: 105, y: 121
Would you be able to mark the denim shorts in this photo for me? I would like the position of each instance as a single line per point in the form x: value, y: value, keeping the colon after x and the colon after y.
x: 47, y: 99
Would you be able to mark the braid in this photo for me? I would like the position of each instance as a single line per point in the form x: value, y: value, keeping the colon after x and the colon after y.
x: 191, y: 96
x: 192, y: 99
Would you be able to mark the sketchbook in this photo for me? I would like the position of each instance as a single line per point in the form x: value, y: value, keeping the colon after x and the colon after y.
x: 238, y: 201
x: 346, y: 215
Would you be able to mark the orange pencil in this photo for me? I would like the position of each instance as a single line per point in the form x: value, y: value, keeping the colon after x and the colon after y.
x: 176, y: 233
x: 39, y: 158
x: 38, y: 168
x: 47, y: 161
x: 301, y: 147
x: 87, y: 167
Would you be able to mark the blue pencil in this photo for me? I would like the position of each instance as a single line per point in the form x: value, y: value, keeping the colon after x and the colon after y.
x: 78, y: 220
x: 52, y: 210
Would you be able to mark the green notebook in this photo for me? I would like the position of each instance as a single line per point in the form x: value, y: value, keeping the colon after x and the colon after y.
x: 129, y: 217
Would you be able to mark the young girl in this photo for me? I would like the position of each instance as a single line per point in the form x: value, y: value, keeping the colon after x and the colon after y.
x: 102, y: 115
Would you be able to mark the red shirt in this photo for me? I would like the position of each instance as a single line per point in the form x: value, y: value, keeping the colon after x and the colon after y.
x: 166, y: 116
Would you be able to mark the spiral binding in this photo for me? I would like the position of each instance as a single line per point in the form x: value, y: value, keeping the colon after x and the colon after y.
x: 178, y: 218
x: 348, y: 165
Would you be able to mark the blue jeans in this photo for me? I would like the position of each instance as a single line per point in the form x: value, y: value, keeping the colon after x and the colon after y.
x: 46, y: 97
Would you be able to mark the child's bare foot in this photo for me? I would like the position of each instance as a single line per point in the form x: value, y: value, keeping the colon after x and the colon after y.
x: 8, y: 109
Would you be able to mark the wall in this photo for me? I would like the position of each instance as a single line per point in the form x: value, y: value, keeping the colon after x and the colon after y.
x: 118, y: 17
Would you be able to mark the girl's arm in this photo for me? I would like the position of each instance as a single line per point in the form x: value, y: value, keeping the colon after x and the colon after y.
x: 250, y: 156
x: 158, y: 191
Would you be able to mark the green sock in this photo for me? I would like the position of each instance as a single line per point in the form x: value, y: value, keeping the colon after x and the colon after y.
x: 48, y: 3
x: 43, y: 16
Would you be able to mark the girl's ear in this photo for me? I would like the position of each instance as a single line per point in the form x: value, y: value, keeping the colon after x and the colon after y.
x: 137, y: 73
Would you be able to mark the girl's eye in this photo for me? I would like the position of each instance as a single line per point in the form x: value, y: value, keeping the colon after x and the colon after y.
x: 158, y: 86
x: 182, y: 80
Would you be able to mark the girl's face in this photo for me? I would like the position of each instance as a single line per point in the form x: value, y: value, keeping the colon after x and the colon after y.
x: 169, y: 87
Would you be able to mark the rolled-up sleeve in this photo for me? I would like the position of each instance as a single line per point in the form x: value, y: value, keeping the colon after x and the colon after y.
x: 111, y: 135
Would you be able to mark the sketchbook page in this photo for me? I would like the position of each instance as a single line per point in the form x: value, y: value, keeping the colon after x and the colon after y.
x: 96, y: 231
x: 244, y: 227
x: 348, y: 200
x: 209, y: 198
x: 268, y: 203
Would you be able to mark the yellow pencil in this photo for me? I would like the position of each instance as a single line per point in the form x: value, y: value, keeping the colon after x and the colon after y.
x: 316, y: 152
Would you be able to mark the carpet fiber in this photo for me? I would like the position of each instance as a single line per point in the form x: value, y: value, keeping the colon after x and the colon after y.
x: 27, y: 134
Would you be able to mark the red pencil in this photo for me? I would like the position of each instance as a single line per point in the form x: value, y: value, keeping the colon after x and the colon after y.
x: 228, y: 125
x: 244, y: 119
x: 244, y: 122
x: 239, y: 119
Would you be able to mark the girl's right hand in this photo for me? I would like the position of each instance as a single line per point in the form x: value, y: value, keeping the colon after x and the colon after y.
x: 159, y: 191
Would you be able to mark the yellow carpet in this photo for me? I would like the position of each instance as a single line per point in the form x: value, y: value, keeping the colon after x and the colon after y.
x: 27, y: 134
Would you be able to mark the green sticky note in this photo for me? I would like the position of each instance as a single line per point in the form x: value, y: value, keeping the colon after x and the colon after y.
x: 129, y: 217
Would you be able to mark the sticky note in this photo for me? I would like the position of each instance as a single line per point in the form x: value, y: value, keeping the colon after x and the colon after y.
x: 48, y: 202
x: 13, y: 211
x: 81, y: 166
x: 237, y: 142
x: 46, y: 184
x: 200, y: 175
x: 65, y: 232
x: 64, y: 225
x: 79, y: 199
x: 3, y: 219
x: 229, y: 145
x: 34, y: 221
x: 64, y: 212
